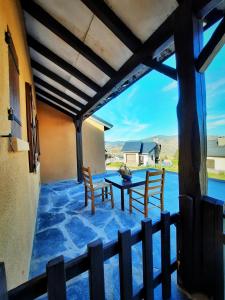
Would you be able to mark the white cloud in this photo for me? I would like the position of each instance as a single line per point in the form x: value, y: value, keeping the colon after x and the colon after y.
x: 213, y: 86
x: 170, y: 86
x: 214, y: 117
x: 216, y: 120
x: 134, y: 125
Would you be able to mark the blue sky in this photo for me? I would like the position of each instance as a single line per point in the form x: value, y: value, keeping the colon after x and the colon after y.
x: 148, y: 107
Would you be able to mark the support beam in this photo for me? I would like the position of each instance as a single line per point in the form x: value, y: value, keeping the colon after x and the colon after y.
x: 46, y: 101
x: 191, y: 112
x: 113, y: 22
x: 213, y: 46
x: 54, y: 90
x: 79, y: 147
x: 56, y: 100
x: 62, y: 32
x: 204, y: 7
x: 60, y: 80
x: 61, y: 63
x: 162, y: 68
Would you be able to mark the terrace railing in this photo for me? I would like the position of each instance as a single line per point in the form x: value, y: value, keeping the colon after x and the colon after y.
x: 53, y: 282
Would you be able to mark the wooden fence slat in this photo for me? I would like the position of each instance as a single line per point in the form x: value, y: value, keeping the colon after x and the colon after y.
x: 96, y: 271
x: 147, y: 255
x: 56, y: 279
x: 165, y: 255
x: 3, y: 284
x: 125, y: 265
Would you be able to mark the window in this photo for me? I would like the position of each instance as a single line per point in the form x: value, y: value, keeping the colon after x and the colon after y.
x: 32, y: 129
x: 14, y: 110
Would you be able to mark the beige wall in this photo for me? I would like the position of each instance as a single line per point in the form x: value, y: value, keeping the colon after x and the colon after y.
x: 19, y: 189
x: 219, y: 163
x: 58, y: 145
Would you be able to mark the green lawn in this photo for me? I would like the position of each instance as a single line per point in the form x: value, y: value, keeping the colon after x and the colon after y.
x: 173, y: 168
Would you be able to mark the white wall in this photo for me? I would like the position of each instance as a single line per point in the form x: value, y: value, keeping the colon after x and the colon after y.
x: 219, y: 163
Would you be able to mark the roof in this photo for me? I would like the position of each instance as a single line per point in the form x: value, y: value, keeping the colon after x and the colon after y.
x: 139, y: 147
x: 84, y: 53
x: 214, y: 150
x: 148, y: 147
x: 106, y: 125
x: 132, y: 147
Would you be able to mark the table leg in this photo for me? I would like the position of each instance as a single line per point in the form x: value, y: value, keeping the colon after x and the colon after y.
x: 106, y: 192
x: 122, y: 199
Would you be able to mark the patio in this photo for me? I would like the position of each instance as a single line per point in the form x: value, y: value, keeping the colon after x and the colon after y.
x: 64, y: 227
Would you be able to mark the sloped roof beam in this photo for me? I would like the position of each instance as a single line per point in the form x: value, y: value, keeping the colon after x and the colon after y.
x: 52, y: 24
x: 162, y: 68
x: 55, y: 106
x: 113, y: 22
x: 213, y: 46
x: 40, y: 68
x: 54, y: 90
x: 61, y: 63
x: 56, y: 100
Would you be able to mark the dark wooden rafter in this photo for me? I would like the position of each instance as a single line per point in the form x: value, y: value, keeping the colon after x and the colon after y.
x: 113, y: 22
x: 61, y: 63
x: 40, y: 68
x: 160, y: 36
x: 54, y: 90
x: 213, y: 46
x: 55, y: 106
x: 52, y: 24
x: 162, y: 68
x: 213, y: 17
x: 55, y: 99
x: 203, y: 7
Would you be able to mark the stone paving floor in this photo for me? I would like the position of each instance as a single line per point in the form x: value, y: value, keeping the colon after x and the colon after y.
x: 65, y: 227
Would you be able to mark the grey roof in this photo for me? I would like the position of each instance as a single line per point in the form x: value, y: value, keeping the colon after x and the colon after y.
x: 148, y: 147
x: 214, y: 150
x: 106, y: 124
x: 138, y: 147
x: 132, y: 147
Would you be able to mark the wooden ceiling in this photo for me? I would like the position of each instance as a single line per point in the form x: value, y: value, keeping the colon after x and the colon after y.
x: 85, y: 53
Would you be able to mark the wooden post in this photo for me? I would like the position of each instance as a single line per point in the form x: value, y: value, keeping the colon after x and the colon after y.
x: 191, y: 112
x: 96, y: 271
x: 147, y: 258
x: 3, y: 284
x: 79, y: 147
x: 56, y: 279
x: 125, y: 265
x: 213, y: 261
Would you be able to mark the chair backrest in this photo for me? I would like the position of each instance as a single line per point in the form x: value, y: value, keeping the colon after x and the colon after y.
x: 155, y: 182
x: 87, y: 177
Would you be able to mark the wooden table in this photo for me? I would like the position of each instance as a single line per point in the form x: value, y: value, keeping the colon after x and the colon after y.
x: 118, y: 182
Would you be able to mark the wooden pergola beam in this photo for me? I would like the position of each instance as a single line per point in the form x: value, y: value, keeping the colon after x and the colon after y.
x: 79, y: 148
x: 54, y: 90
x: 162, y: 68
x: 52, y: 24
x: 42, y: 99
x: 56, y: 100
x: 213, y: 46
x: 61, y: 63
x: 113, y: 22
x: 204, y: 7
x: 40, y: 68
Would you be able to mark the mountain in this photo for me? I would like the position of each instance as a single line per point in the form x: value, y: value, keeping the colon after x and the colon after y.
x: 169, y: 144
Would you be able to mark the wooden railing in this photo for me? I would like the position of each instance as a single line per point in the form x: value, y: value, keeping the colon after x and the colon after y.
x: 57, y: 272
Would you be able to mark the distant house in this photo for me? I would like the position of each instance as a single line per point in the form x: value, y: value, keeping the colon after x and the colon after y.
x: 140, y: 153
x: 216, y: 154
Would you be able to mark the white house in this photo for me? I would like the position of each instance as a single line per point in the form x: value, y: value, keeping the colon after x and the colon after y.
x: 216, y: 154
x: 141, y: 153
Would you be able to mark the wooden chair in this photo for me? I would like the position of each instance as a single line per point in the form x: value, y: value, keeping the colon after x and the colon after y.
x: 154, y: 186
x: 91, y: 187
